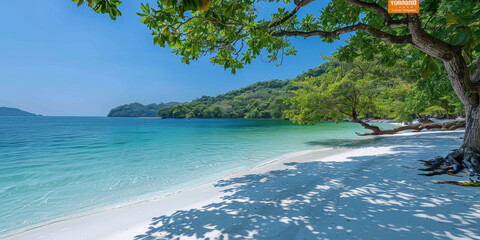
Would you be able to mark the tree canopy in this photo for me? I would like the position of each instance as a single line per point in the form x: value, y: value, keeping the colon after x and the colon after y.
x: 352, y: 90
x: 233, y: 33
x: 103, y: 6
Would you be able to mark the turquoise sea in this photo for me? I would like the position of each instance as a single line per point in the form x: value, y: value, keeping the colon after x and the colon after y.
x: 53, y: 167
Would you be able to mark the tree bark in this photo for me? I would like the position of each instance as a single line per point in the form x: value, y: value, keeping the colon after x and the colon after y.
x: 468, y: 94
x: 375, y: 130
x: 471, y: 139
x: 444, y: 126
x: 424, y: 120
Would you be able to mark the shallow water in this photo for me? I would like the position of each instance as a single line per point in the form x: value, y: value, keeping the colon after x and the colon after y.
x: 51, y: 167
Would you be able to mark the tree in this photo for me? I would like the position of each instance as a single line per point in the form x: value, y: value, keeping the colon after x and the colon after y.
x: 233, y: 34
x: 190, y: 115
x: 435, y: 96
x: 216, y: 112
x: 351, y: 90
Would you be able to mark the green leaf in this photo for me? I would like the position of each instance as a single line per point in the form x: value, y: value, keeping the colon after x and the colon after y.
x: 430, y: 67
x: 461, y: 38
x: 451, y: 19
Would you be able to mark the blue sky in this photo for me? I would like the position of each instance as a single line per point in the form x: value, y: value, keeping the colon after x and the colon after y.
x: 61, y: 60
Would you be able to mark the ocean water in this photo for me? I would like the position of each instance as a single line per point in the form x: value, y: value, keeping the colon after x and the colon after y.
x: 53, y: 167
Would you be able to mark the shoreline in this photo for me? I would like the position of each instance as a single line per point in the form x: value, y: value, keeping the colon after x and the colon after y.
x: 130, y: 220
x: 194, y: 192
x: 165, y: 194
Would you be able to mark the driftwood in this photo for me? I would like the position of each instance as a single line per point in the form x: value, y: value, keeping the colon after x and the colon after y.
x: 424, y: 120
x: 443, y: 126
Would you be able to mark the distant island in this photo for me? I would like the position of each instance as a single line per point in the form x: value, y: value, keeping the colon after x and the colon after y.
x: 6, y: 111
x: 139, y: 110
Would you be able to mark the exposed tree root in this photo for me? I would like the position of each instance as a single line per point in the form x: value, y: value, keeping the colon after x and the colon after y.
x: 453, y: 163
x: 463, y: 158
x: 450, y: 182
x: 444, y: 126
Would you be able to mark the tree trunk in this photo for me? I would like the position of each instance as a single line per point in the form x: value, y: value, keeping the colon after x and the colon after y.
x: 375, y: 130
x: 468, y: 155
x: 471, y: 139
x: 458, y: 74
x: 468, y: 94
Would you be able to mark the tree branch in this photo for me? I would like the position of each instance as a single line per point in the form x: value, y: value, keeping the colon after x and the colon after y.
x: 375, y: 130
x: 444, y: 126
x: 388, y: 21
x: 299, y: 4
x: 302, y: 3
x: 390, y: 38
x: 428, y: 43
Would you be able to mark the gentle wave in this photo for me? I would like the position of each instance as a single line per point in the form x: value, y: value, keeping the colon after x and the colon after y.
x: 51, y: 167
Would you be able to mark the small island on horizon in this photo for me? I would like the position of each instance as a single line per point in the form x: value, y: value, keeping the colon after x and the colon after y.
x: 139, y: 110
x: 11, y: 112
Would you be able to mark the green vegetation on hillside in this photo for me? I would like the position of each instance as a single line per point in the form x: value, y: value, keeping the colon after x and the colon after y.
x: 139, y: 110
x: 5, y: 111
x: 266, y: 99
x: 259, y: 100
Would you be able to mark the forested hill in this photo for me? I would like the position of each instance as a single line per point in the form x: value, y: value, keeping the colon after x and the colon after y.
x: 139, y: 110
x: 5, y: 111
x: 264, y: 99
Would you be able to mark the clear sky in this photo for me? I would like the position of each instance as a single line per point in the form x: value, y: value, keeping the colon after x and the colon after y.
x: 61, y: 60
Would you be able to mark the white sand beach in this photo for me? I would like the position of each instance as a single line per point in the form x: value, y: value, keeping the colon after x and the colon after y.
x: 360, y: 189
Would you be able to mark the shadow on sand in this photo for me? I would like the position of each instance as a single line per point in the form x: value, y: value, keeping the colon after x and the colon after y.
x: 369, y: 197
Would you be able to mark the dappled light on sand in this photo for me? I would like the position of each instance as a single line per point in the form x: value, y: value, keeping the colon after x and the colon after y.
x: 367, y: 197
